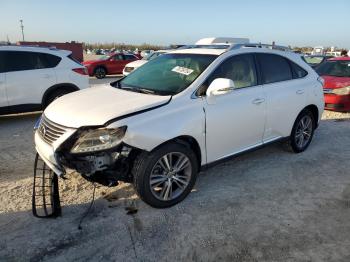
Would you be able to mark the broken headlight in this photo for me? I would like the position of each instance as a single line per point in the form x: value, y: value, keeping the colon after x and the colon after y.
x: 98, y: 139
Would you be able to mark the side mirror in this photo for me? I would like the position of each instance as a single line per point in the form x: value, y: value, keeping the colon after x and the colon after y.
x: 220, y: 86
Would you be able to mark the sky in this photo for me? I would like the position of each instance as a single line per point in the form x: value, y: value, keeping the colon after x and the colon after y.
x: 162, y: 22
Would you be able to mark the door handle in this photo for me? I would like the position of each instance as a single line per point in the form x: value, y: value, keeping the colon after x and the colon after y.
x: 258, y: 101
x: 47, y: 76
x: 300, y: 91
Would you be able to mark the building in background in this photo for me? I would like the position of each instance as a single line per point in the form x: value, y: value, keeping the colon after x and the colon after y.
x: 76, y: 48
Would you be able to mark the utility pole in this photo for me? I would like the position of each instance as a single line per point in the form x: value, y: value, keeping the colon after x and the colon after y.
x: 21, y: 21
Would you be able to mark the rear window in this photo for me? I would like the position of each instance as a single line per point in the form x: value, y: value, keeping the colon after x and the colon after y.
x: 22, y: 60
x: 274, y: 68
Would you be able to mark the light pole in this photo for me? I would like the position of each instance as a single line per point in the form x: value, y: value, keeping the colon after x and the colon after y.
x: 21, y: 21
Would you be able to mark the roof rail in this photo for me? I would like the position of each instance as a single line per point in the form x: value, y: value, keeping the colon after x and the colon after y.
x: 37, y: 46
x: 258, y: 45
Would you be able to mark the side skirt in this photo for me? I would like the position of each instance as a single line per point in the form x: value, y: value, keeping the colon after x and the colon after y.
x: 244, y: 151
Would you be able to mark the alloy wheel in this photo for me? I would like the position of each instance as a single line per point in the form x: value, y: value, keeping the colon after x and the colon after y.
x: 170, y: 176
x: 304, y: 131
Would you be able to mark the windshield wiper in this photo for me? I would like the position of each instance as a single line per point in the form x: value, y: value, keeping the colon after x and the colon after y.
x: 139, y: 90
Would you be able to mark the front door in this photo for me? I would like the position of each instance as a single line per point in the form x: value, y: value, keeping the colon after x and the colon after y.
x: 236, y: 120
x: 115, y: 65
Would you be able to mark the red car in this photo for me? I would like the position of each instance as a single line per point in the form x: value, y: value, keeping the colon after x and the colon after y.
x: 109, y: 65
x: 336, y: 89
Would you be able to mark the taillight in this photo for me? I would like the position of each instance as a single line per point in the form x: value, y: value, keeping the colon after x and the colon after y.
x: 81, y: 70
x: 321, y: 80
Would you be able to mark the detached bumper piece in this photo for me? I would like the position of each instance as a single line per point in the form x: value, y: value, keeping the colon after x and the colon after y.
x: 45, y: 199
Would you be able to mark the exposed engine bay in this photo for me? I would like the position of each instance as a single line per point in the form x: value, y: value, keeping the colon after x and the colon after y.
x: 105, y: 168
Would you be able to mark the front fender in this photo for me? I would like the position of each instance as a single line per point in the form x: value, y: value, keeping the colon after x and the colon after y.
x: 181, y: 117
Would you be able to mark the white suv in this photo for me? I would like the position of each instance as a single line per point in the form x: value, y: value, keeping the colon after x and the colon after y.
x: 32, y: 77
x: 186, y: 109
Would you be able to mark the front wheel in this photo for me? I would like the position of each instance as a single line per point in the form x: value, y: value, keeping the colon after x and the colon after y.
x: 302, y: 132
x: 165, y: 176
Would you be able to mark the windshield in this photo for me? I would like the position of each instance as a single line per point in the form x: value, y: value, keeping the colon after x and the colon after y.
x: 168, y: 74
x: 340, y: 68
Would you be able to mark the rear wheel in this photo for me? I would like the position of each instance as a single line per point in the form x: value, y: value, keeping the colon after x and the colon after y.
x: 100, y: 72
x: 56, y: 94
x: 165, y: 176
x: 302, y: 132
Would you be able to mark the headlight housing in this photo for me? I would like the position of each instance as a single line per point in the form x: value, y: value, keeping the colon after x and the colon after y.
x: 100, y: 139
x: 342, y: 91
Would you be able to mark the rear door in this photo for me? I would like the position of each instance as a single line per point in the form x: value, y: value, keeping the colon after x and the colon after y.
x: 27, y: 77
x: 284, y: 92
x: 3, y: 96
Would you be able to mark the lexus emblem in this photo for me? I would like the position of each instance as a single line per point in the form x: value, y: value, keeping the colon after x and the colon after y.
x: 43, y: 130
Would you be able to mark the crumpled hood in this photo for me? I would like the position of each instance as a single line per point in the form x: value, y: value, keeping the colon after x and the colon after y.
x: 97, y: 105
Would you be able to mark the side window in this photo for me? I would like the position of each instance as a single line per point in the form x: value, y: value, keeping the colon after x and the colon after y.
x: 48, y: 60
x: 274, y: 68
x: 19, y: 61
x: 129, y: 57
x: 240, y: 69
x: 118, y: 57
x: 298, y: 72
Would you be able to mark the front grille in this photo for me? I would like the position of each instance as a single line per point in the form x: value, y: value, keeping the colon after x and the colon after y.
x: 128, y: 69
x: 50, y: 131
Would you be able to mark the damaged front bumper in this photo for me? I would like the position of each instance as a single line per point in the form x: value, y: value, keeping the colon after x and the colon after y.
x: 105, y: 167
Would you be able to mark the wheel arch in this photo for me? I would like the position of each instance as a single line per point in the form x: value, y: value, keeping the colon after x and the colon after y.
x: 189, y: 141
x: 100, y: 66
x: 50, y: 90
x: 314, y: 110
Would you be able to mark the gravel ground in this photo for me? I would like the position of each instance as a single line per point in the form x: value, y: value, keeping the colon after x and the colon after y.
x: 268, y: 205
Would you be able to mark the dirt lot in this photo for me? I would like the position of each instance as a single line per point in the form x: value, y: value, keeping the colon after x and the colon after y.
x: 268, y: 205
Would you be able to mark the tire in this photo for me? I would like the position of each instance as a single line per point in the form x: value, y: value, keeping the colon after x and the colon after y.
x: 148, y: 168
x: 100, y: 72
x: 56, y: 94
x: 302, y: 132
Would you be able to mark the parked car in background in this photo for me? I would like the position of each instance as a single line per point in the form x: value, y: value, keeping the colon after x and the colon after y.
x: 316, y: 60
x: 158, y: 126
x: 336, y: 75
x: 109, y: 65
x: 145, y: 53
x: 136, y: 64
x: 32, y: 77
